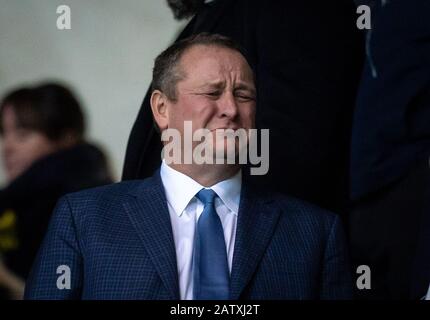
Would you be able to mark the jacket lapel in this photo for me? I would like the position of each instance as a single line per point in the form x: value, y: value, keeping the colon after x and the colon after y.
x: 149, y: 215
x: 257, y: 220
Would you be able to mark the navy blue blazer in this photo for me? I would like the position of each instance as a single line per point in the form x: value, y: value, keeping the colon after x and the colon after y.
x: 117, y: 241
x: 391, y: 132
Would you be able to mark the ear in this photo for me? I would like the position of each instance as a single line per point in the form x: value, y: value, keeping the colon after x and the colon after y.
x: 159, y: 109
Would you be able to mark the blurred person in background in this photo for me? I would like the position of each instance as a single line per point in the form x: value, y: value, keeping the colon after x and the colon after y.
x: 45, y: 156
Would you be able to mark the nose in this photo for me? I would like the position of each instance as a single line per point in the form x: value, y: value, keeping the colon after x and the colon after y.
x: 228, y: 106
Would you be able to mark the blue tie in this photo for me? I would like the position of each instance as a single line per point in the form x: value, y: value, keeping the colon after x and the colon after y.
x: 211, y: 274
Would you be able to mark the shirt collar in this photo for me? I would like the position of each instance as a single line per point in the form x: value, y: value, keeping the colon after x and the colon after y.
x: 229, y: 191
x: 180, y: 189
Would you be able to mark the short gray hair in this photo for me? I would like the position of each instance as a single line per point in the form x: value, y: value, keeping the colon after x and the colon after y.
x: 166, y: 73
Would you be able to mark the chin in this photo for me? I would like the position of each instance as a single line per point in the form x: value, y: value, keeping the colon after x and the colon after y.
x: 226, y: 154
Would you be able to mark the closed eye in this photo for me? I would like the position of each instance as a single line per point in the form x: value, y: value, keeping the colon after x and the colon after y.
x: 213, y: 94
x: 243, y: 97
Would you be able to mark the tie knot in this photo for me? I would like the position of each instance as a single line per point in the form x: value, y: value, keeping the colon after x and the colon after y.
x: 207, y: 196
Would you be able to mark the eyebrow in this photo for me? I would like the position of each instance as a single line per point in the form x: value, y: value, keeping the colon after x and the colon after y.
x: 244, y: 86
x: 220, y: 84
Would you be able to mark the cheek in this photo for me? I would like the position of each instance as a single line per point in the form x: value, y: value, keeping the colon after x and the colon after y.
x: 33, y: 148
x: 179, y: 113
x: 196, y: 109
x: 247, y: 115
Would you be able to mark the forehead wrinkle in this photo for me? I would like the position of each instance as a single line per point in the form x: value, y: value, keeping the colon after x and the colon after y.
x: 224, y: 73
x: 246, y: 87
x: 213, y: 84
x: 238, y: 76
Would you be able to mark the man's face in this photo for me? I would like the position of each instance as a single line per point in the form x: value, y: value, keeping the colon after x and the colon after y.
x: 218, y: 92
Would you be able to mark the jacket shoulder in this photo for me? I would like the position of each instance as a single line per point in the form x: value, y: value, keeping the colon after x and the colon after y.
x: 104, y: 199
x: 301, y: 210
x: 105, y: 192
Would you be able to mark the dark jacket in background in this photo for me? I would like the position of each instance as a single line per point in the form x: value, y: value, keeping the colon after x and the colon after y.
x: 390, y: 174
x: 307, y: 56
x: 391, y: 127
x: 27, y: 203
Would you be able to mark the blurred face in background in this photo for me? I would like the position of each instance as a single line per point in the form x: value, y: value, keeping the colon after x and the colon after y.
x: 21, y: 147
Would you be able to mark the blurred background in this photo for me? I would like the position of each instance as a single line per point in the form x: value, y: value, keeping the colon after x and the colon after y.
x: 106, y: 58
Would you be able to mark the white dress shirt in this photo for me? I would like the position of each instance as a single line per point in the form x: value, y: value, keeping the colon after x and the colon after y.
x: 185, y: 210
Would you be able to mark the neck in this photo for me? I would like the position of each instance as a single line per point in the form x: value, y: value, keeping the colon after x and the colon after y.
x: 207, y: 174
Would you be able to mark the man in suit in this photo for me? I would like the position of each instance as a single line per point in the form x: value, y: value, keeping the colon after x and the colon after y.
x: 307, y: 56
x: 193, y: 231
